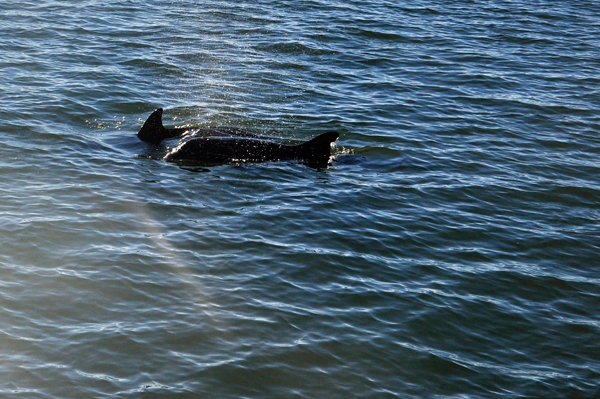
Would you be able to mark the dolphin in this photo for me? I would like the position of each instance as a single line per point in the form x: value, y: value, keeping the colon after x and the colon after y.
x: 228, y: 144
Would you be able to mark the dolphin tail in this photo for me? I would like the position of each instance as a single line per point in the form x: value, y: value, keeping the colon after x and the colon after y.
x: 153, y: 130
x: 319, y: 148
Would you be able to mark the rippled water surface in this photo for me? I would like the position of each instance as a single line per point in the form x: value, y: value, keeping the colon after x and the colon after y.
x: 450, y: 250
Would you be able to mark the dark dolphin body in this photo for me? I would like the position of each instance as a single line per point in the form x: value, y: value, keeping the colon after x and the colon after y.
x: 226, y: 144
x: 241, y: 149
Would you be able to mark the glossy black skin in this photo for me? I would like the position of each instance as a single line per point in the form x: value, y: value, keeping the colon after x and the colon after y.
x: 226, y: 144
x: 240, y: 149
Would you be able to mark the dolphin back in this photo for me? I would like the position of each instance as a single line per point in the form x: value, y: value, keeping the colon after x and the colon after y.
x: 224, y: 149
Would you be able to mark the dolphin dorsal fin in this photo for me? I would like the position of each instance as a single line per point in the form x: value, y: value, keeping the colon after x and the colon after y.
x: 319, y: 147
x: 153, y: 130
x: 322, y: 139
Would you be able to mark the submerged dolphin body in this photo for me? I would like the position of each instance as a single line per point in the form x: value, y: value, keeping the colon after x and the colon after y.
x: 226, y: 144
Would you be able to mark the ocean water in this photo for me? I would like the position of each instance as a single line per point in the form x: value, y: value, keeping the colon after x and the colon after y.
x: 450, y: 250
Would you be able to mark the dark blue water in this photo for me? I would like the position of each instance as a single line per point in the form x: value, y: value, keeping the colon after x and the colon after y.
x: 450, y: 250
